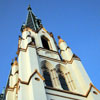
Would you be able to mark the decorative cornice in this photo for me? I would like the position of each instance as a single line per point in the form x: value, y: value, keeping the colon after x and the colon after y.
x: 21, y: 49
x: 52, y: 59
x: 61, y: 96
x: 27, y: 29
x: 73, y: 93
x: 8, y: 88
x: 11, y: 88
x: 61, y: 61
x: 40, y: 48
x: 27, y: 83
x: 91, y: 85
x: 33, y: 46
x: 24, y: 82
x: 74, y: 57
x: 51, y: 88
x: 14, y: 73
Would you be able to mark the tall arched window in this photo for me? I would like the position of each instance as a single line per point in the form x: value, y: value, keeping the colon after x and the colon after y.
x: 47, y: 77
x: 45, y: 42
x: 62, y: 80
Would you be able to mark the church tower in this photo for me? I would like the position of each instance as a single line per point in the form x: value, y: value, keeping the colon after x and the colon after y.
x: 41, y: 72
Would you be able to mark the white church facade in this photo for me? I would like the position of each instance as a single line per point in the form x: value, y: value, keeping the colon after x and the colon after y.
x: 40, y: 72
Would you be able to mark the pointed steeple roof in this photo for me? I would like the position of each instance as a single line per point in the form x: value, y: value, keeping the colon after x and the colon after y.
x: 32, y: 21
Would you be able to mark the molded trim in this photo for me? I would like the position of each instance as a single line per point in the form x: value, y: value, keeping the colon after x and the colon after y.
x: 40, y: 48
x: 28, y: 29
x: 60, y: 61
x: 74, y: 57
x: 27, y: 83
x: 23, y: 82
x: 69, y: 92
x: 61, y: 96
x: 17, y: 72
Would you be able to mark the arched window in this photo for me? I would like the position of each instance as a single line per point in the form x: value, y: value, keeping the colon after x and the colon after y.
x: 45, y: 42
x: 47, y: 77
x: 33, y: 40
x: 62, y: 80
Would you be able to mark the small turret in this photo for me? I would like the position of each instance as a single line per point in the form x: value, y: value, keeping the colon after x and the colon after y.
x: 14, y: 73
x: 62, y: 44
x: 14, y: 66
x: 12, y: 85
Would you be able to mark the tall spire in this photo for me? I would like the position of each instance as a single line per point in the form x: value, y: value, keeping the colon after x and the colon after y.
x: 31, y: 21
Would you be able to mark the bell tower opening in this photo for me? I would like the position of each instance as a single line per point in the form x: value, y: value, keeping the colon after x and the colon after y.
x: 33, y: 40
x: 47, y: 77
x: 63, y: 82
x: 45, y: 42
x: 62, y: 79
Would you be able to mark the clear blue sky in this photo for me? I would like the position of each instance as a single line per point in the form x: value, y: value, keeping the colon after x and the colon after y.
x: 76, y: 21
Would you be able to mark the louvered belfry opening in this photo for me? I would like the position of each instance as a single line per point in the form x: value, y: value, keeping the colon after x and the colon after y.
x: 62, y: 80
x: 47, y: 77
x: 33, y: 40
x: 45, y: 43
